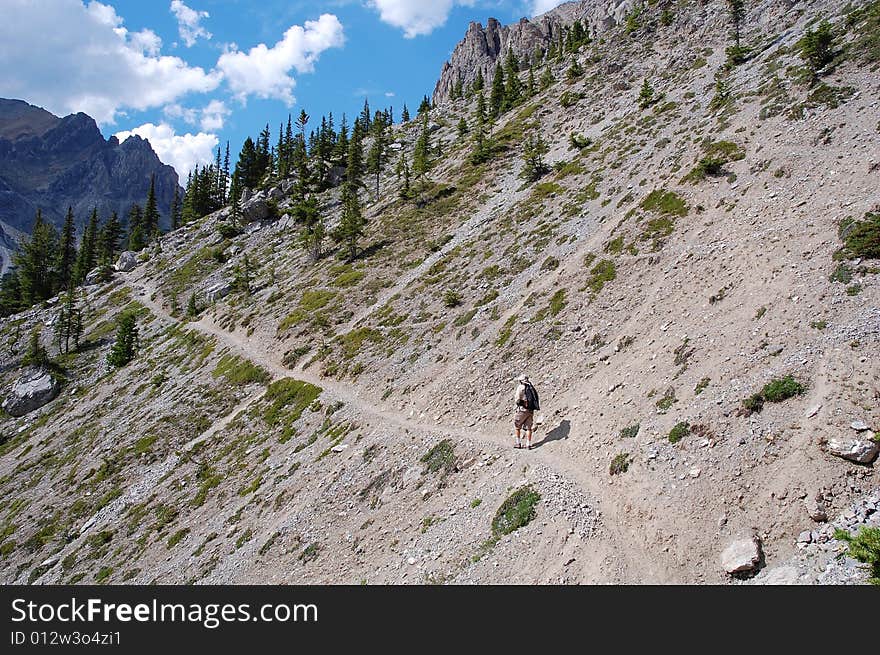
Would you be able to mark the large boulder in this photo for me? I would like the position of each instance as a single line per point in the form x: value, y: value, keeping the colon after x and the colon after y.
x: 742, y: 556
x: 34, y: 388
x: 217, y: 291
x: 127, y: 261
x: 94, y: 276
x: 256, y: 208
x: 861, y: 451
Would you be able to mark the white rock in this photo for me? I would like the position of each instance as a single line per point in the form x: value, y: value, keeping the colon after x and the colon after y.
x: 741, y: 556
x: 127, y: 261
x: 859, y: 426
x: 861, y: 451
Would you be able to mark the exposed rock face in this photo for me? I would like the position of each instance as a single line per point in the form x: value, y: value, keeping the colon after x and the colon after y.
x: 34, y: 388
x: 127, y: 261
x: 256, y: 208
x: 482, y: 47
x: 54, y: 163
x: 742, y: 556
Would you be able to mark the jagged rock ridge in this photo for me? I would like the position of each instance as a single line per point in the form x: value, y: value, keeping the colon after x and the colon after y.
x: 483, y: 46
x: 52, y: 163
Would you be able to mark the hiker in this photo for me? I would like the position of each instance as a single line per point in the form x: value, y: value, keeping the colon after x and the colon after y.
x: 526, y: 399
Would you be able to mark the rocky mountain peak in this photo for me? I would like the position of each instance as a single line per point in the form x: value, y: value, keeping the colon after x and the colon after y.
x: 481, y: 47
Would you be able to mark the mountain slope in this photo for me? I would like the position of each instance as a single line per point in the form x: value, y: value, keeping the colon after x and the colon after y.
x: 54, y: 163
x: 350, y: 421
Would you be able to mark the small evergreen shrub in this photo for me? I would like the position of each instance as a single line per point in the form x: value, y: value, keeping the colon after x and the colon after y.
x: 620, y: 464
x: 679, y: 432
x: 451, y: 298
x: 864, y: 547
x: 440, y: 458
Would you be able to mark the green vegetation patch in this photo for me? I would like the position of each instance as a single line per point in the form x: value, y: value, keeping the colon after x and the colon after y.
x: 620, y: 464
x: 602, y: 273
x: 775, y: 391
x: 516, y: 511
x: 440, y: 458
x: 312, y: 301
x: 679, y: 432
x: 665, y: 203
x: 353, y: 341
x: 861, y: 238
x: 865, y: 548
x: 630, y: 431
x: 287, y: 400
x: 237, y: 370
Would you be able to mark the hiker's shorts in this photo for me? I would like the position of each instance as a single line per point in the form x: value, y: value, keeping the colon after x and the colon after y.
x: 523, y: 419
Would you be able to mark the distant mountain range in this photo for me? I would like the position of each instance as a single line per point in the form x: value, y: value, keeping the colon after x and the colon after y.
x: 54, y: 163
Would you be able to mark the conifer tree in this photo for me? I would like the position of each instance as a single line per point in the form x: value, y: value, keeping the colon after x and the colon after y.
x: 68, y: 323
x: 737, y: 13
x: 376, y: 158
x: 340, y: 153
x: 534, y: 166
x: 35, y: 263
x: 176, y: 209
x: 87, y: 256
x: 482, y: 148
x: 352, y: 224
x: 531, y: 86
x: 235, y: 202
x: 404, y: 116
x: 365, y: 115
x: 512, y: 87
x: 479, y: 82
x: 242, y: 275
x: 425, y: 106
x: 151, y: 211
x: 67, y: 253
x: 136, y: 234
x: 108, y: 240
x: 496, y: 97
x: 247, y: 166
x: 421, y: 156
x: 36, y: 354
x: 127, y: 340
x: 462, y: 128
x: 10, y: 294
x: 547, y: 79
x: 192, y: 308
x: 646, y: 95
x: 403, y: 168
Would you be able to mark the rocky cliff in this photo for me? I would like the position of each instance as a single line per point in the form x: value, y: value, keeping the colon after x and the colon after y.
x: 54, y: 163
x: 483, y: 46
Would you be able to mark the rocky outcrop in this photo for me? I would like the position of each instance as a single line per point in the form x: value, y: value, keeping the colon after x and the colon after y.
x: 34, y: 388
x: 54, y: 163
x: 127, y: 261
x: 482, y: 47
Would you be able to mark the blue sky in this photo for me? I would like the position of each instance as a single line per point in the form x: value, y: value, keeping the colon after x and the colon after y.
x: 191, y: 74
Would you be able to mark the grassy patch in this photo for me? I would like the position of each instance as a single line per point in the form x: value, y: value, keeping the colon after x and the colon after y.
x: 177, y: 537
x: 665, y: 203
x: 516, y: 511
x: 602, y: 273
x: 630, y: 431
x: 861, y: 238
x: 287, y: 399
x: 775, y: 391
x: 679, y: 432
x: 237, y: 370
x: 440, y: 458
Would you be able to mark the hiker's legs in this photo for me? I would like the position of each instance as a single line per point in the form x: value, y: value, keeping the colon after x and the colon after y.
x: 529, y: 437
x: 518, y: 438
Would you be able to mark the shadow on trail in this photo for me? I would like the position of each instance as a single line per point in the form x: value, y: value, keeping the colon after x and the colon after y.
x: 558, y: 433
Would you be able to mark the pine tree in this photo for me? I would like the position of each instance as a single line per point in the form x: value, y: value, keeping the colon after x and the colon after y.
x: 340, y: 152
x: 547, y: 79
x: 234, y: 202
x: 224, y: 178
x: 247, y: 166
x: 479, y: 82
x: 531, y: 86
x: 192, y: 308
x: 108, y: 241
x: 403, y: 167
x: 647, y: 96
x: 462, y: 128
x: 312, y: 236
x: 404, y: 116
x: 365, y: 115
x: 10, y: 294
x: 421, y: 156
x: 68, y: 323
x: 242, y: 275
x: 496, y: 97
x: 424, y: 106
x: 151, y: 212
x: 482, y: 149
x: 127, y: 342
x: 176, y: 209
x: 36, y: 354
x: 35, y: 263
x: 352, y: 224
x: 534, y: 166
x: 264, y: 157
x: 87, y: 256
x: 737, y: 13
x: 376, y: 159
x: 817, y: 48
x: 137, y: 238
x: 354, y: 168
x: 67, y: 253
x: 512, y: 87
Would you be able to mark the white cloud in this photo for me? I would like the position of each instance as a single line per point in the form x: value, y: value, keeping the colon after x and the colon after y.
x: 86, y: 60
x: 189, y: 23
x: 214, y: 115
x: 182, y: 151
x: 416, y: 17
x: 178, y: 112
x: 265, y: 72
x: 389, y: 94
x: 543, y: 6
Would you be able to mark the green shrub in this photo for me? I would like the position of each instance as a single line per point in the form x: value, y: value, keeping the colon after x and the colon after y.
x: 865, y: 547
x: 862, y: 238
x: 663, y: 202
x: 602, y: 273
x: 515, y: 512
x: 620, y: 464
x: 630, y: 432
x: 781, y: 389
x: 440, y: 457
x: 701, y: 386
x: 667, y: 401
x: 679, y: 432
x: 451, y: 298
x: 240, y: 371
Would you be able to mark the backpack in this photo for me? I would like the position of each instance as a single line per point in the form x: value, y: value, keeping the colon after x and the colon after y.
x: 531, y: 398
